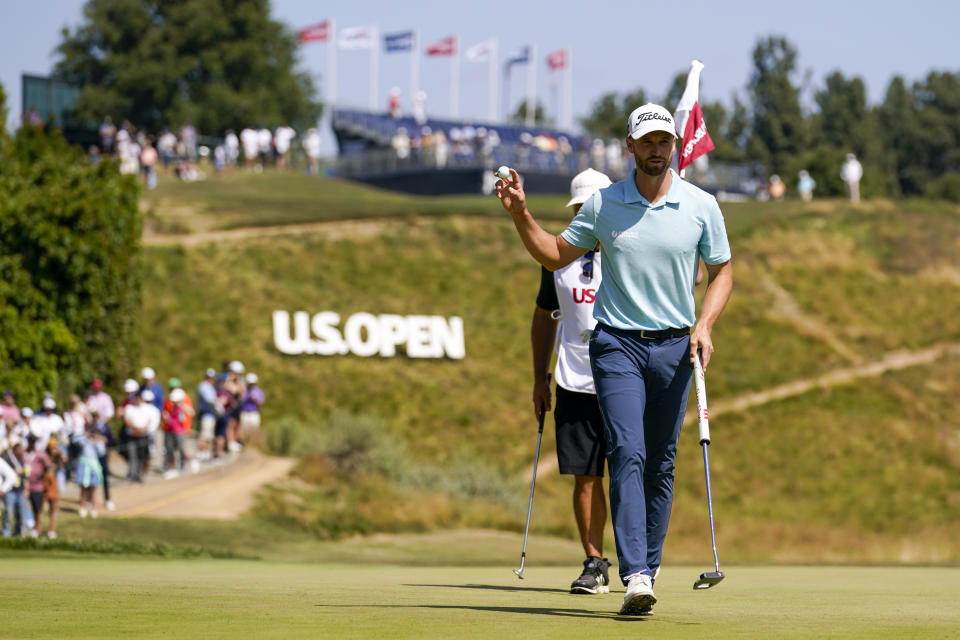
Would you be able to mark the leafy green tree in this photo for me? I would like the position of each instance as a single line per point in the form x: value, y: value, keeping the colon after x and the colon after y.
x: 608, y: 116
x: 539, y: 114
x: 779, y: 126
x: 69, y: 266
x: 216, y: 63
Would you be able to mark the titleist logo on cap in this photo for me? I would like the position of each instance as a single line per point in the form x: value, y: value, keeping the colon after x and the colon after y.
x: 651, y: 115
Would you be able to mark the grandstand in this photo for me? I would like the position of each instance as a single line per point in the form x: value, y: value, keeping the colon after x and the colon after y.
x: 453, y: 156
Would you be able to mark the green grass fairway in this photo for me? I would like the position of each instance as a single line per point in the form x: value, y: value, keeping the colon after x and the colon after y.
x: 97, y: 597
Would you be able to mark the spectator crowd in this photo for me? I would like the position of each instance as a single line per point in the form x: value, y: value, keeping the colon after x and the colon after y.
x: 139, y: 152
x: 44, y: 452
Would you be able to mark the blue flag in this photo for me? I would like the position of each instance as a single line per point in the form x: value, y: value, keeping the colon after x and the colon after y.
x: 394, y: 42
x: 520, y: 56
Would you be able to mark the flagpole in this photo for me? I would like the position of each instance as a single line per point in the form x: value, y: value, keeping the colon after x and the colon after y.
x: 532, y: 87
x: 374, y: 68
x: 493, y: 88
x: 332, y: 64
x: 414, y: 68
x: 455, y: 79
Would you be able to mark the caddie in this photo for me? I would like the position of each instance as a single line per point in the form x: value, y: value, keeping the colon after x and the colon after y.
x: 565, y: 302
x: 652, y: 227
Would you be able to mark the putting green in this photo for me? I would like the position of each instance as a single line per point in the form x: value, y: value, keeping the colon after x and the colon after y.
x: 102, y: 597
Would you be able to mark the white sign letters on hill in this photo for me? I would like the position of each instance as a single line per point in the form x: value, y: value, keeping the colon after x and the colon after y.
x: 365, y: 334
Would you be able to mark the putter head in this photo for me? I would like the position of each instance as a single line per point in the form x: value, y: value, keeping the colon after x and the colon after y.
x: 519, y: 573
x: 708, y: 579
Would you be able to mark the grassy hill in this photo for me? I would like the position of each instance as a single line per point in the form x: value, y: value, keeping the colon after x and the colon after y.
x: 862, y: 472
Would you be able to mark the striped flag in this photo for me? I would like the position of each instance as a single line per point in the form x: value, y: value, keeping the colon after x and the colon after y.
x: 443, y: 47
x: 520, y: 56
x: 319, y: 32
x: 393, y: 42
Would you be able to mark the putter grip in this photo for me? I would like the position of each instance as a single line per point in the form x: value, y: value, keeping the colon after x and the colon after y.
x: 700, y: 386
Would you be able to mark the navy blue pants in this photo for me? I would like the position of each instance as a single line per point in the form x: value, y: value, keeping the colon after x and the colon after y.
x: 642, y: 386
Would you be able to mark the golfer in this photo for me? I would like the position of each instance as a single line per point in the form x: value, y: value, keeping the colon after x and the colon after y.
x: 652, y: 228
x: 566, y: 299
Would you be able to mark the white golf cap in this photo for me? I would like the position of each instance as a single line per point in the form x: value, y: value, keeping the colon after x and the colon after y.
x: 252, y: 378
x: 177, y: 395
x: 236, y: 367
x: 210, y: 373
x: 585, y: 183
x: 131, y: 385
x: 148, y: 373
x: 26, y: 412
x: 147, y: 395
x: 49, y: 403
x: 650, y: 117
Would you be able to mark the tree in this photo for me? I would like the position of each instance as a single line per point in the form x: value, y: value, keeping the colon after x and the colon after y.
x: 69, y: 266
x: 539, y: 114
x: 778, y: 130
x: 608, y: 116
x: 216, y: 63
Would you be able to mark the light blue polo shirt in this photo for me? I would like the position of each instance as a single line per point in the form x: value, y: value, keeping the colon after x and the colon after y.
x: 650, y: 251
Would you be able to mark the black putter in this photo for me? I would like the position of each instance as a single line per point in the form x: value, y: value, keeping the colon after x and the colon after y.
x: 709, y: 578
x: 533, y: 483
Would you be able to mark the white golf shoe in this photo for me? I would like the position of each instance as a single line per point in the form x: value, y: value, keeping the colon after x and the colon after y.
x: 639, y: 599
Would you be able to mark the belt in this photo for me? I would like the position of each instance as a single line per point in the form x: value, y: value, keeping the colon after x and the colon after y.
x: 662, y: 334
x: 647, y: 334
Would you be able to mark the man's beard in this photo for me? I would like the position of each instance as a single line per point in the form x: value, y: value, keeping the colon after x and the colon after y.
x: 654, y: 171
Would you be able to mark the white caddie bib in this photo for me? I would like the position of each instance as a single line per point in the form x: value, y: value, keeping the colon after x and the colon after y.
x: 575, y: 295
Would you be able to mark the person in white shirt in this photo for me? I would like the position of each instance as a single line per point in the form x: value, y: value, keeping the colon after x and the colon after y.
x: 251, y: 149
x: 565, y: 301
x: 265, y: 145
x: 850, y: 173
x: 138, y: 418
x: 233, y: 147
x: 282, y: 138
x: 311, y: 145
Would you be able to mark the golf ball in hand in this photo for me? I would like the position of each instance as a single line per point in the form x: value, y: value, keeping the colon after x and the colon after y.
x: 504, y: 173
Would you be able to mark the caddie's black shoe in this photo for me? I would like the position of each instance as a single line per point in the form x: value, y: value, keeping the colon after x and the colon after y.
x: 594, y: 578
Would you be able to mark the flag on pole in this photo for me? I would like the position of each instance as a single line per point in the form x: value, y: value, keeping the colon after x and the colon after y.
x: 480, y: 52
x: 443, y: 47
x: 394, y: 42
x: 358, y: 37
x: 319, y: 32
x: 557, y: 60
x: 520, y: 56
x: 688, y: 119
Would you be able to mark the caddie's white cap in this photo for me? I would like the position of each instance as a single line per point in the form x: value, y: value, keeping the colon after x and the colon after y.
x: 177, y: 395
x: 650, y: 117
x: 252, y: 378
x: 148, y: 373
x: 49, y: 404
x: 146, y: 395
x: 585, y: 183
x: 26, y: 412
x: 131, y: 385
x: 236, y: 367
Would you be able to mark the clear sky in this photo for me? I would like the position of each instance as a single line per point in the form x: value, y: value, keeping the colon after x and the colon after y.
x: 616, y: 46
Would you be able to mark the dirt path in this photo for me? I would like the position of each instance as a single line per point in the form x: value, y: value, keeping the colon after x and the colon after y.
x: 222, y: 492
x: 333, y: 229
